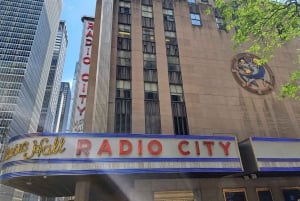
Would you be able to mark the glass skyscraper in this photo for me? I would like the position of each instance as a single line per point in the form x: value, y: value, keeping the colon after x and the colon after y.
x: 27, y: 36
x: 46, y: 122
x: 27, y: 29
x: 62, y: 110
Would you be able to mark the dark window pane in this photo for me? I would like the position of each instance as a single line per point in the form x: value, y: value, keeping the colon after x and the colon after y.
x: 180, y: 118
x: 152, y: 117
x: 235, y: 196
x: 291, y: 194
x: 150, y: 75
x: 123, y: 116
x: 168, y: 4
x: 264, y: 195
x: 147, y: 22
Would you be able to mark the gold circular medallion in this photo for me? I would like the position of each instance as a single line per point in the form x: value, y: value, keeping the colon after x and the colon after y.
x: 252, y: 76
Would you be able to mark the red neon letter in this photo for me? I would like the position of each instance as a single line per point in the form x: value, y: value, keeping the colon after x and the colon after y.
x: 86, y: 60
x: 122, y: 149
x: 83, y: 146
x: 81, y: 110
x: 89, y: 34
x: 197, y: 148
x: 225, y: 147
x: 209, y: 145
x: 83, y: 97
x: 105, y: 147
x: 180, y: 144
x: 88, y: 42
x: 85, y: 77
x: 90, y: 25
x: 140, y: 147
x: 158, y: 147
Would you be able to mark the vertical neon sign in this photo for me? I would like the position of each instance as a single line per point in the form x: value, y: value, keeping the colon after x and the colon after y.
x: 83, y: 76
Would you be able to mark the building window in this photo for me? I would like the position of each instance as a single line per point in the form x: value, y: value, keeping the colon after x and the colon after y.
x: 152, y: 117
x: 147, y: 22
x: 123, y: 116
x: 149, y: 61
x: 124, y: 58
x: 149, y: 47
x: 168, y: 12
x: 124, y: 13
x: 124, y: 31
x: 179, y: 118
x: 264, y: 194
x: 123, y: 73
x: 148, y: 34
x: 147, y: 2
x: 151, y: 91
x: 195, y: 19
x: 124, y: 43
x: 238, y: 194
x: 123, y: 107
x: 175, y: 77
x: 168, y: 4
x: 176, y: 93
x: 172, y: 50
x: 169, y: 21
x: 123, y: 89
x: 291, y: 194
x: 147, y: 11
x: 150, y: 75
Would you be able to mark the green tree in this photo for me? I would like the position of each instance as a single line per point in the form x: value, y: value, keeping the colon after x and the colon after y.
x: 263, y: 26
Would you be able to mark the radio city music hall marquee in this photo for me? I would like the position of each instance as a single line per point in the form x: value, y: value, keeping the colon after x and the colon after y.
x: 115, y: 153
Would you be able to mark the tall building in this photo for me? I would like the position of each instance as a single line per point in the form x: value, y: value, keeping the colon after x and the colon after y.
x: 167, y: 67
x: 171, y: 112
x: 50, y: 101
x: 62, y: 109
x: 28, y: 29
x: 81, y: 75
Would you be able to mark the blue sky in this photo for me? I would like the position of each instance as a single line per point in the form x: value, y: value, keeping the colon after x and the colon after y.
x: 72, y: 12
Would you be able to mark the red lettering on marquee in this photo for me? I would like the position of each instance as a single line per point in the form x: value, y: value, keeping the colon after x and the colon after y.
x: 180, y: 149
x: 225, y: 147
x: 83, y: 146
x: 105, y: 148
x: 197, y: 148
x: 140, y: 147
x: 209, y: 145
x: 125, y: 147
x: 158, y: 146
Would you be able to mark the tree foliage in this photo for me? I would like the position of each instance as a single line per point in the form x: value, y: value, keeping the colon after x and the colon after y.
x: 264, y: 25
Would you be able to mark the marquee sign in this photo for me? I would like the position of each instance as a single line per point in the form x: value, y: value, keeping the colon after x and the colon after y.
x: 271, y: 154
x: 81, y: 153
